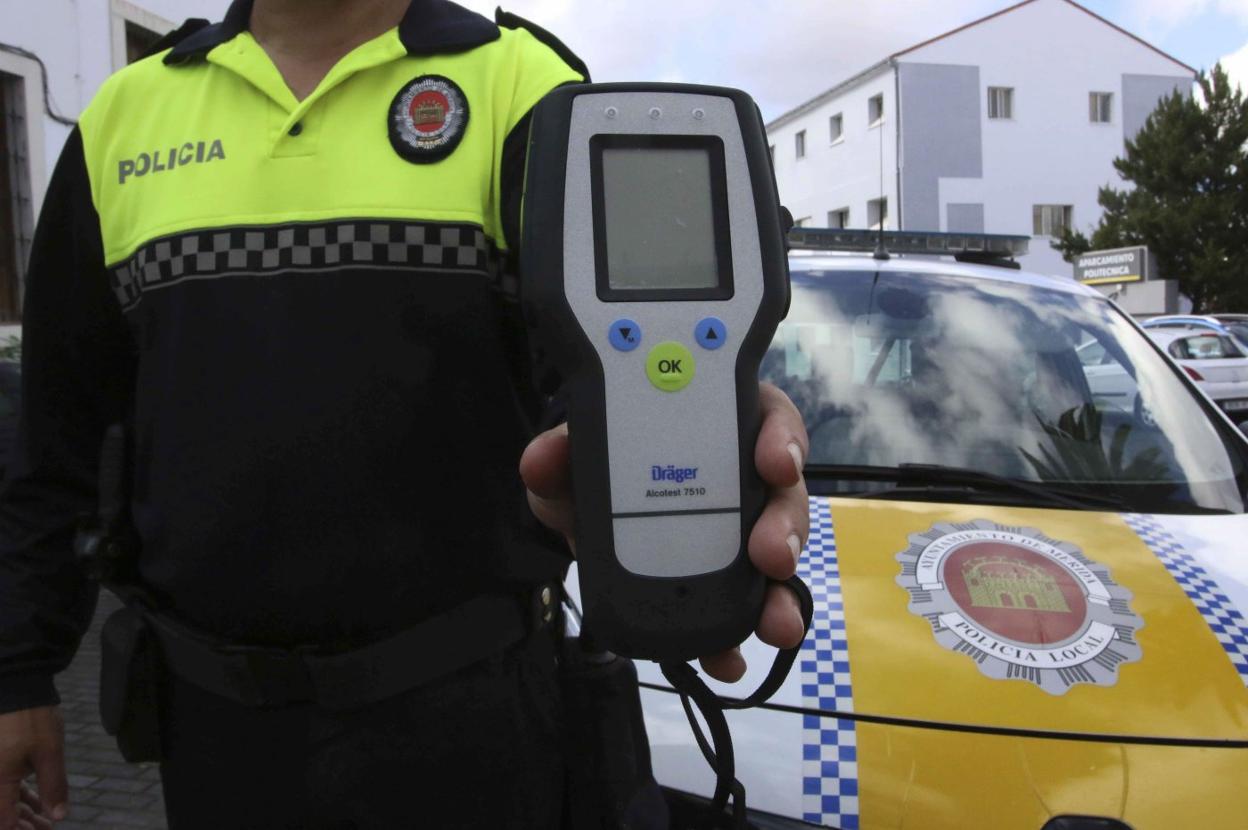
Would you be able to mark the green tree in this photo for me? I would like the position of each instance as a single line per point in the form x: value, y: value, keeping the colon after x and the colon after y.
x: 1188, y: 203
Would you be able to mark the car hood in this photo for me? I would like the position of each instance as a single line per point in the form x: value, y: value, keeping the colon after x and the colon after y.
x: 1021, y: 621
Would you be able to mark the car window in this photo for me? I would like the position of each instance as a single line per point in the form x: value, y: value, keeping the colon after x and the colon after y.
x: 1205, y: 347
x: 1091, y: 353
x: 1000, y: 377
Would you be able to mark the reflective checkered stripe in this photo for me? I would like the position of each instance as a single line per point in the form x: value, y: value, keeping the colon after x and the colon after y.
x: 304, y: 247
x: 1224, y: 619
x: 829, y: 745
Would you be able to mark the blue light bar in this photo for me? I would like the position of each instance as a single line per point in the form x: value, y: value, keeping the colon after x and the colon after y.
x: 988, y: 245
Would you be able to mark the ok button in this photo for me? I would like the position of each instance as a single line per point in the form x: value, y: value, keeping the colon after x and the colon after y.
x: 670, y: 366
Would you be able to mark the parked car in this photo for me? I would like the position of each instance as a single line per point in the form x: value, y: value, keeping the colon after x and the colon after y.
x: 1218, y: 363
x: 1235, y: 325
x: 1029, y: 603
x: 1111, y: 386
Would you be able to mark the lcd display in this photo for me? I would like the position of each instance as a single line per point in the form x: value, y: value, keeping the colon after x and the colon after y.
x: 659, y: 209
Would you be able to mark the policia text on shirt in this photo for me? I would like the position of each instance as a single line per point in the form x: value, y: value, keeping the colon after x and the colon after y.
x: 191, y: 152
x: 316, y: 352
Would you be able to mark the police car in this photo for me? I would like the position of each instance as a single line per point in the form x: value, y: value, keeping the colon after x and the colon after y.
x: 1030, y: 602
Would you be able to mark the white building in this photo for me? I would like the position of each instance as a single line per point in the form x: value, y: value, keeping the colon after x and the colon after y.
x: 1008, y: 125
x: 54, y: 54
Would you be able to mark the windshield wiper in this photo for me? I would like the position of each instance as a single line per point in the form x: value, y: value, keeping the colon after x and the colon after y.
x: 931, y: 479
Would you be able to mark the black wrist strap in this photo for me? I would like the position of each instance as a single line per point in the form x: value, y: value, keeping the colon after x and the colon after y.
x: 718, y: 750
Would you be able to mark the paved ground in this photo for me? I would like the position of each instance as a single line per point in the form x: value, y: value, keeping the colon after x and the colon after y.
x: 105, y: 791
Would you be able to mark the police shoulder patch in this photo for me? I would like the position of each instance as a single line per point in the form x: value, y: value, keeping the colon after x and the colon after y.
x: 427, y: 119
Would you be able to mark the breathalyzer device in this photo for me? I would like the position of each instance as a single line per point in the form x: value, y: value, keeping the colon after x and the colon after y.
x: 654, y: 274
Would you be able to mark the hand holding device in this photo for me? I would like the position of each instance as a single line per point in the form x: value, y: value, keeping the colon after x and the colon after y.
x: 654, y: 272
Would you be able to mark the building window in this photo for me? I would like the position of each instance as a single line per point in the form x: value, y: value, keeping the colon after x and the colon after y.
x: 1100, y: 107
x: 804, y: 222
x: 16, y: 205
x: 799, y: 141
x: 134, y: 31
x: 877, y: 213
x: 138, y: 41
x: 1051, y: 220
x: 1000, y: 102
x: 875, y: 110
x: 838, y: 218
x: 836, y: 127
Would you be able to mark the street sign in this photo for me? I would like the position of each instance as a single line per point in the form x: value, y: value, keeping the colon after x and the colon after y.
x: 1114, y: 266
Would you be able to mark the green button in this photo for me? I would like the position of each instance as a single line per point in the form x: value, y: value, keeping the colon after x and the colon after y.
x: 670, y: 366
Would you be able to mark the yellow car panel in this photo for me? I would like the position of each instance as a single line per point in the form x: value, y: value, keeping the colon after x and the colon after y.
x: 1182, y: 686
x: 930, y: 779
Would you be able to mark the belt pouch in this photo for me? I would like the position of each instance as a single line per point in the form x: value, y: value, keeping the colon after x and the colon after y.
x: 129, y: 685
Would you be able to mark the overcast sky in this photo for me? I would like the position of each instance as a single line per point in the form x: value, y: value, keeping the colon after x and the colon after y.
x: 787, y: 51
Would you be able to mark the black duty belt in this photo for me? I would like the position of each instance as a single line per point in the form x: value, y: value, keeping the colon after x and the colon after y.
x: 257, y: 676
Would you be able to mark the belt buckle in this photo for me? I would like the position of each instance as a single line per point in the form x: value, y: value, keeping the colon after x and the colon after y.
x: 278, y: 677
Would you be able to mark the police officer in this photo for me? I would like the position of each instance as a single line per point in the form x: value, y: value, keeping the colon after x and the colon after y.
x: 275, y: 252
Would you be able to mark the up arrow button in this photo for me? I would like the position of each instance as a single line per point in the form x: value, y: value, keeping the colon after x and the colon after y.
x: 710, y: 332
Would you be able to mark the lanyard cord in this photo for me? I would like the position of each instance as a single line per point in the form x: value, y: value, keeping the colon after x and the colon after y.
x: 718, y: 750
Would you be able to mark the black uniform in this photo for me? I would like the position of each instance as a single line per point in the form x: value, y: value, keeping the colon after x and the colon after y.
x: 299, y: 311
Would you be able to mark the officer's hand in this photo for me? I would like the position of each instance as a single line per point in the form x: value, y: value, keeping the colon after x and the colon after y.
x: 777, y: 538
x: 32, y: 741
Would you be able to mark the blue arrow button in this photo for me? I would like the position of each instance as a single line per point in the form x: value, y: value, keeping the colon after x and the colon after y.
x: 624, y: 334
x: 710, y: 333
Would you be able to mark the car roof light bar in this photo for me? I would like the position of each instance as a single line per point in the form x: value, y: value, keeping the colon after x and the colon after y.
x: 985, y: 245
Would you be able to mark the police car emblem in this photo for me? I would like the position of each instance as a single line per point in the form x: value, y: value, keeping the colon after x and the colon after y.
x: 1020, y: 604
x: 428, y: 118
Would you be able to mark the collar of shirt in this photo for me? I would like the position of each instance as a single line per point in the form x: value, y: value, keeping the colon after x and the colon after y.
x: 428, y: 27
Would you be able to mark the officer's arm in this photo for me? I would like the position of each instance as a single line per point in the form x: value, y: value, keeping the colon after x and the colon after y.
x: 77, y: 370
x: 543, y: 63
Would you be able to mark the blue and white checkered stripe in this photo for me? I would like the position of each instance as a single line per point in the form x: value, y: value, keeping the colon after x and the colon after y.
x: 829, y: 745
x: 1224, y: 619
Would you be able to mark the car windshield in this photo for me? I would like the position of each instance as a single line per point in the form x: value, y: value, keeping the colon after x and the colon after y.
x: 1008, y: 380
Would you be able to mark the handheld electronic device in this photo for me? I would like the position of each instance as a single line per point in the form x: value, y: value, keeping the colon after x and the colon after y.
x: 654, y: 276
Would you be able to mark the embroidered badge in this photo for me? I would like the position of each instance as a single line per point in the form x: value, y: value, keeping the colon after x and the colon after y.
x: 428, y: 118
x: 1022, y: 605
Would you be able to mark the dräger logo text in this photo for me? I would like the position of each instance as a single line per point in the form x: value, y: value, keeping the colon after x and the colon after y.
x: 192, y: 152
x: 672, y: 473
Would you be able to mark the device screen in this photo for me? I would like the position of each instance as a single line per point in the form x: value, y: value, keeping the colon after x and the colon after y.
x: 660, y: 202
